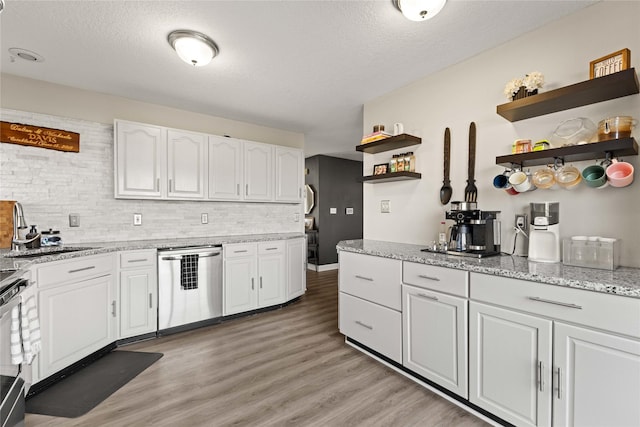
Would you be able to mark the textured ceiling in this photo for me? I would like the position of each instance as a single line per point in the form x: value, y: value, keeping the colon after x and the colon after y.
x: 303, y: 66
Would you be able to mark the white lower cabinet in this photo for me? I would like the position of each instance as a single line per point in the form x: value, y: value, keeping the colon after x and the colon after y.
x: 435, y: 337
x: 76, y: 319
x: 597, y: 378
x: 510, y: 364
x: 296, y: 268
x: 138, y: 293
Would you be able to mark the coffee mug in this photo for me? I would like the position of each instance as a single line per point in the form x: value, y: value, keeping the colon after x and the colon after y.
x: 620, y: 174
x: 512, y: 191
x: 594, y: 176
x: 501, y: 181
x: 520, y: 181
x: 544, y: 178
x: 398, y: 128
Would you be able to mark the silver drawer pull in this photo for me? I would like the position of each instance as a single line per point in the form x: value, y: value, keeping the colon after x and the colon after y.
x: 138, y: 260
x: 559, y: 383
x: 540, y: 381
x: 150, y: 300
x: 78, y: 270
x: 270, y: 249
x: 422, y: 276
x: 113, y: 308
x: 364, y: 325
x: 548, y: 301
x: 428, y: 297
x: 240, y: 252
x: 369, y: 279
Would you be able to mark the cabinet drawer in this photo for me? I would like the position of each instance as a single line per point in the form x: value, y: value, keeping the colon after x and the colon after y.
x: 603, y: 311
x: 448, y: 280
x: 136, y: 259
x: 237, y: 250
x: 377, y: 327
x: 275, y: 247
x: 375, y: 279
x: 73, y: 270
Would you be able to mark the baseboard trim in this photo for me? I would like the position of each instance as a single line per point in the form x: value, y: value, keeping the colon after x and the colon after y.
x: 323, y: 267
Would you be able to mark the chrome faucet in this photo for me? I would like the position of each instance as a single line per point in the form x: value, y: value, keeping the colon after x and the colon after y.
x: 19, y: 224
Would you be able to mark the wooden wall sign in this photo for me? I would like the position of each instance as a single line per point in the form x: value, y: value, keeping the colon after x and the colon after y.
x: 36, y: 136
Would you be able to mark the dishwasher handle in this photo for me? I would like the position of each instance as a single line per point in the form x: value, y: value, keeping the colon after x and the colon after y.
x: 179, y: 257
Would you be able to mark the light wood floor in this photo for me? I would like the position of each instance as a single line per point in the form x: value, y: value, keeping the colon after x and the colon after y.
x: 288, y: 367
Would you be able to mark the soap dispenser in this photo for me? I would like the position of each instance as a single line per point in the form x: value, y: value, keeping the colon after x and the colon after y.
x: 33, y: 234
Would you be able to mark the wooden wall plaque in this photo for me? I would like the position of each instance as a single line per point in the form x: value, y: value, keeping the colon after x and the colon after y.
x: 36, y: 136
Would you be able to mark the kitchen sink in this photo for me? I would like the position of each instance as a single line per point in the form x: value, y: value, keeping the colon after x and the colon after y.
x: 44, y: 252
x: 4, y: 274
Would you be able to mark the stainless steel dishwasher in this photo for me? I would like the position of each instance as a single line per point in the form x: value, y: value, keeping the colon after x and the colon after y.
x: 189, y: 286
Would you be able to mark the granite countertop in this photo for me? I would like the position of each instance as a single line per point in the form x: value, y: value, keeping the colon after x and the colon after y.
x: 8, y: 264
x: 623, y: 281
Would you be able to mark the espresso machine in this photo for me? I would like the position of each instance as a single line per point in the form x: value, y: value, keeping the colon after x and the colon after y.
x: 544, y: 234
x: 476, y: 233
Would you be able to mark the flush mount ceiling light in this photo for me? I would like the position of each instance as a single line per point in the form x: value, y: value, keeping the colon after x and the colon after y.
x: 419, y: 10
x: 25, y: 54
x: 193, y: 47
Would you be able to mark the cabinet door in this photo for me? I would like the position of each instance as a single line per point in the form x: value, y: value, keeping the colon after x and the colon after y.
x: 435, y: 337
x: 138, y: 307
x: 288, y: 175
x: 187, y: 164
x: 225, y: 168
x: 271, y: 280
x: 75, y: 319
x: 240, y: 292
x: 139, y: 159
x: 296, y: 268
x: 258, y: 171
x: 510, y: 364
x: 599, y: 382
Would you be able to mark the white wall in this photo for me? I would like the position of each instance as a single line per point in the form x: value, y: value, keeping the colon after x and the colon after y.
x: 52, y: 184
x: 470, y: 91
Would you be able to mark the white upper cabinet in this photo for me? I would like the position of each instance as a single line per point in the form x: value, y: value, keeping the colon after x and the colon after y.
x: 258, y: 171
x: 225, y: 168
x: 187, y: 164
x: 139, y: 160
x: 289, y: 182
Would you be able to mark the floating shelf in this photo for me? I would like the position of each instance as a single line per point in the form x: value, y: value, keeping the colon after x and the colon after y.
x: 388, y: 144
x: 616, y: 85
x: 574, y: 153
x: 388, y: 177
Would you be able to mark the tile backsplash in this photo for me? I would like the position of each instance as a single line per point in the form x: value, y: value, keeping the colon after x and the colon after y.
x: 50, y: 185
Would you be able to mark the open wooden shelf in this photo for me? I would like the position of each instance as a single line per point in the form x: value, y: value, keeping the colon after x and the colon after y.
x: 574, y: 153
x: 616, y: 85
x: 388, y: 144
x: 394, y: 176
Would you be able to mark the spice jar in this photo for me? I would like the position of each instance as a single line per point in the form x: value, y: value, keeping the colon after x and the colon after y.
x: 393, y: 163
x: 400, y: 163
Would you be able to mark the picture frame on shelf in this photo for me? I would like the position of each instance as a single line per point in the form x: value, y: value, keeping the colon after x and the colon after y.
x: 308, y: 222
x: 609, y: 64
x: 380, y: 169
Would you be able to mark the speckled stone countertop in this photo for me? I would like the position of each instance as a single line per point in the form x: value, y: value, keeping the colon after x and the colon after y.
x: 7, y: 263
x: 622, y: 281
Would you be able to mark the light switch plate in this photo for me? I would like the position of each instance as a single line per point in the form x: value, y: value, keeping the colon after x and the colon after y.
x: 204, y: 218
x: 385, y: 206
x: 333, y: 211
x: 348, y: 211
x: 74, y: 220
x: 137, y: 219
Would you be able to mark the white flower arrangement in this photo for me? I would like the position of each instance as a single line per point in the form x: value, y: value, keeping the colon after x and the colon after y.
x: 531, y: 82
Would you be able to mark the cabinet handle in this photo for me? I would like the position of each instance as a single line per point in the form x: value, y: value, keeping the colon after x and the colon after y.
x: 548, y: 301
x: 77, y: 270
x: 240, y: 252
x: 369, y: 279
x: 364, y: 325
x: 300, y: 192
x: 238, y: 189
x: 559, y: 383
x: 260, y: 282
x: 246, y: 190
x: 170, y: 186
x: 422, y: 276
x: 428, y: 297
x: 113, y: 308
x: 137, y: 260
x: 540, y: 382
x: 252, y: 287
x: 150, y: 300
x: 157, y: 184
x: 270, y: 249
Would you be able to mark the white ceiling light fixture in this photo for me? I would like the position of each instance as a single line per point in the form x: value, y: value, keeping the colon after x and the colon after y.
x: 419, y: 10
x: 27, y: 55
x: 193, y: 47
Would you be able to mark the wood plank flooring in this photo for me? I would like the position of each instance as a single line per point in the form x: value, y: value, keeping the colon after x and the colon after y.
x: 288, y: 367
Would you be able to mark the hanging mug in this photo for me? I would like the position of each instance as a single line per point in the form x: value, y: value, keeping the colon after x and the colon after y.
x: 398, y: 128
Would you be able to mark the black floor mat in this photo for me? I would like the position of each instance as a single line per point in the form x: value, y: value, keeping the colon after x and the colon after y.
x: 84, y: 390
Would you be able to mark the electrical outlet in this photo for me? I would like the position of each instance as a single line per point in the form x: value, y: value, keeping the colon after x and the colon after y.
x: 137, y: 219
x: 74, y: 220
x: 521, y: 221
x: 349, y: 211
x: 385, y: 206
x: 204, y: 218
x: 333, y: 211
x: 296, y: 217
